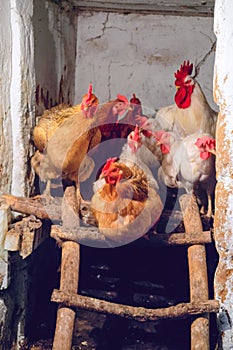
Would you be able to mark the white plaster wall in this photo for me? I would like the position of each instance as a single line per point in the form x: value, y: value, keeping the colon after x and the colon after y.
x: 55, y: 51
x: 139, y: 53
x: 5, y: 78
x: 223, y: 79
x: 22, y: 90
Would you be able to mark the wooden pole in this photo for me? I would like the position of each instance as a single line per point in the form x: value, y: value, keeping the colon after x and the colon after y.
x: 181, y: 310
x: 197, y: 272
x: 69, y: 284
x: 69, y: 275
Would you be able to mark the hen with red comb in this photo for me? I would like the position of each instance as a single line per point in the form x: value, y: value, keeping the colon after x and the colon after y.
x: 48, y: 126
x: 127, y: 204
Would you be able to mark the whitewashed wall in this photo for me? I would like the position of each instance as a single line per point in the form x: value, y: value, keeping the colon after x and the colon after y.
x: 5, y: 79
x: 139, y: 53
x: 21, y: 92
x: 223, y: 83
x: 55, y: 51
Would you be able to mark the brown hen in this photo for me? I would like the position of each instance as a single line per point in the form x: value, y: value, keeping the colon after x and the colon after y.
x: 125, y: 207
x: 55, y: 116
x: 61, y: 152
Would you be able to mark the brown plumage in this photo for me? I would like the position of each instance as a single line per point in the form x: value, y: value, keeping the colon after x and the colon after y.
x: 63, y: 136
x: 125, y: 206
x: 55, y: 116
x: 116, y: 119
x: 68, y: 148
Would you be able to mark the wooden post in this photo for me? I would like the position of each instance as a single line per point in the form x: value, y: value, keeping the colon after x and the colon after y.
x: 69, y: 276
x: 69, y: 284
x: 197, y: 272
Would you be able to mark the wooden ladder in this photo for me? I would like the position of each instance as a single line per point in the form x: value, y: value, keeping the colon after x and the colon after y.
x: 199, y: 304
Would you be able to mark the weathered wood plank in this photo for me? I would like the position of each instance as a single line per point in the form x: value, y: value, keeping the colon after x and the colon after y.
x: 26, y: 235
x: 69, y: 278
x: 198, y: 277
x: 37, y: 206
x: 91, y: 236
x: 138, y: 313
x: 4, y: 266
x: 31, y: 228
x: 176, y: 7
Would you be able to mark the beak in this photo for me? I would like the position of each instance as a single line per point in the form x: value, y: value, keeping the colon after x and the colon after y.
x: 158, y: 143
x: 177, y: 87
x: 102, y: 176
x: 129, y: 108
x: 212, y: 151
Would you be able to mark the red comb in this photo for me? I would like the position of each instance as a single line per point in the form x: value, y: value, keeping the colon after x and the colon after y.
x: 109, y: 163
x: 185, y: 69
x: 135, y: 100
x: 205, y: 140
x: 122, y: 98
x: 136, y: 135
x: 159, y: 134
x: 89, y: 93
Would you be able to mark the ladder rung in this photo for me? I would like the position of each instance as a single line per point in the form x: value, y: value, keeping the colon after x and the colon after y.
x: 181, y: 310
x: 91, y: 236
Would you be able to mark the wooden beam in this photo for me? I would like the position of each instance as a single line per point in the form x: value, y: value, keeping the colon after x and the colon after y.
x: 164, y: 7
x: 38, y: 206
x: 137, y: 313
x: 92, y: 237
x: 198, y: 277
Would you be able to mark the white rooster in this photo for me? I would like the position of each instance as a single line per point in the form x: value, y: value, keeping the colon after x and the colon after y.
x: 191, y: 112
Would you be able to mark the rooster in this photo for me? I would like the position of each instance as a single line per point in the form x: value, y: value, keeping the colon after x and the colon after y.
x: 55, y: 116
x: 191, y: 112
x: 127, y: 204
x: 188, y: 163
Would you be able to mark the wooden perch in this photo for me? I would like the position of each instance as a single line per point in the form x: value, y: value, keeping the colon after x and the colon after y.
x: 138, y: 313
x: 69, y: 276
x: 197, y: 272
x: 38, y: 206
x: 92, y: 237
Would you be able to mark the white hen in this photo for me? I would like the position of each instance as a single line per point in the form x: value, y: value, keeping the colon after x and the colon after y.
x: 189, y: 163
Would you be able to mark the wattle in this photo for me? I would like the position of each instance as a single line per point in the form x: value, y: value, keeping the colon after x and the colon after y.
x: 205, y: 155
x: 183, y: 96
x: 165, y: 149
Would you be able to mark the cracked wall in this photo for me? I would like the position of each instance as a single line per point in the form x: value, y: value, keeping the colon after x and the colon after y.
x: 122, y: 53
